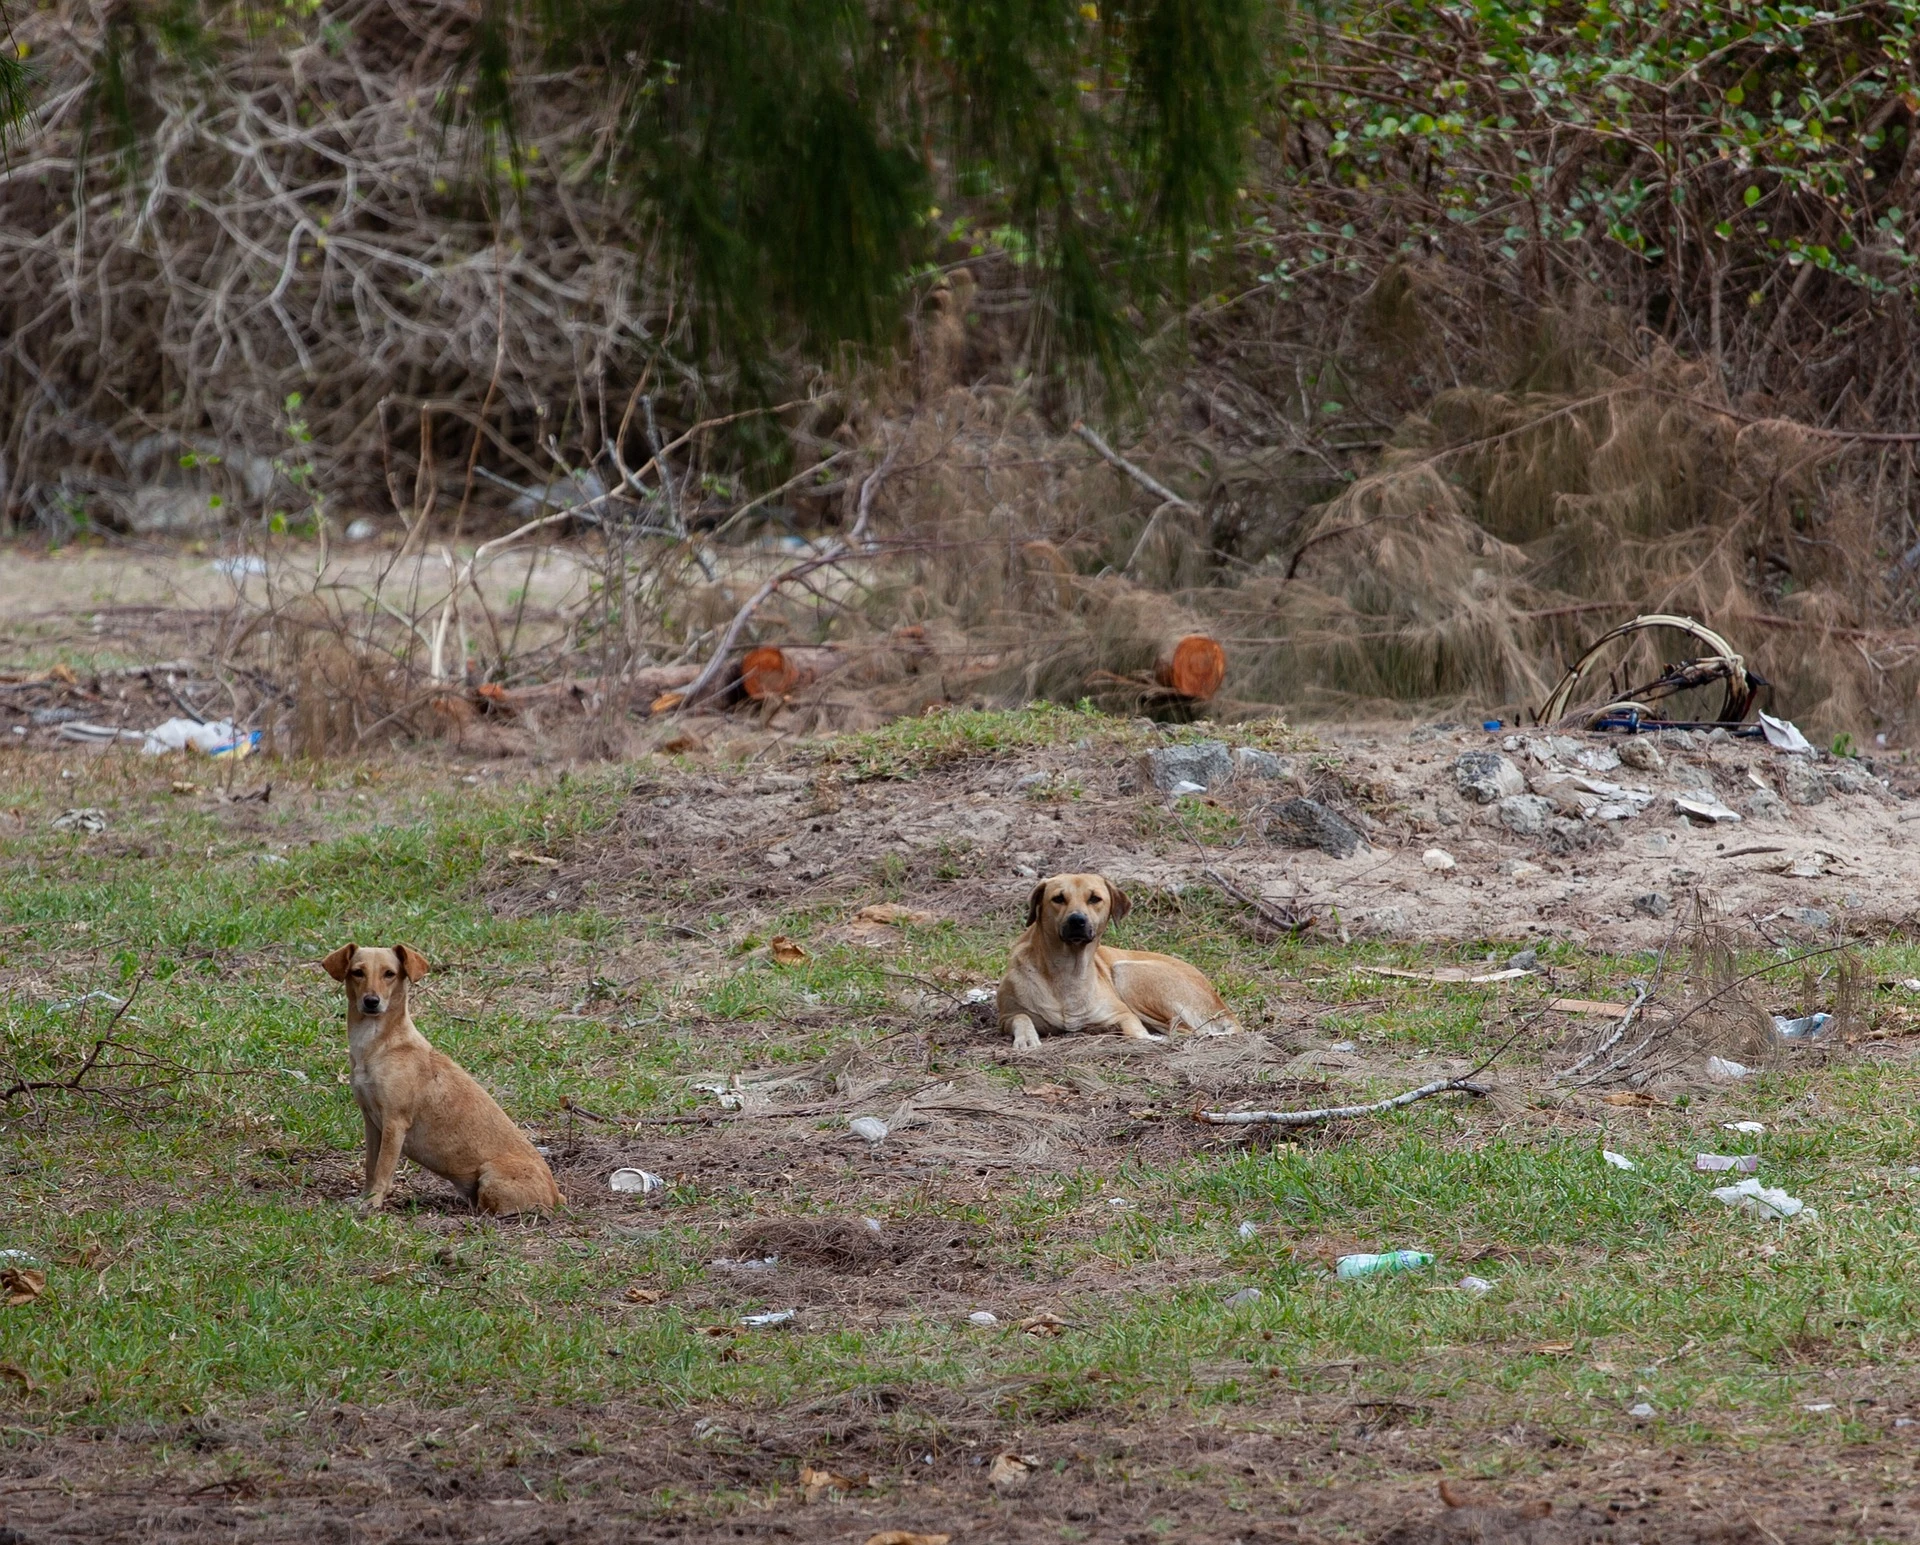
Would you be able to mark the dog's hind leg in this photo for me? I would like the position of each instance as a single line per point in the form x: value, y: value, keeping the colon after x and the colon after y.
x: 499, y: 1193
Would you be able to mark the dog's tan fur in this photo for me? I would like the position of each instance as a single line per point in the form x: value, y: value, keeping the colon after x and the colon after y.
x: 1058, y: 982
x: 420, y: 1102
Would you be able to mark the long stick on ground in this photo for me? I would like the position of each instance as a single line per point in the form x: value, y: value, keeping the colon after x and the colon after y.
x: 1307, y: 1118
x: 1145, y: 479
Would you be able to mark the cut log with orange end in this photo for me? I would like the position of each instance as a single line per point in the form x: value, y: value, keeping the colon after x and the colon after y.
x: 1194, y: 666
x: 770, y: 671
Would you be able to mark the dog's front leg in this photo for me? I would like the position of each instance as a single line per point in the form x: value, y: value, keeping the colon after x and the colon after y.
x: 393, y: 1137
x: 1025, y: 1036
x: 373, y: 1153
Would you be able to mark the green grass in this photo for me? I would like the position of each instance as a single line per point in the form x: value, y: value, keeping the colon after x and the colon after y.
x: 199, y: 1263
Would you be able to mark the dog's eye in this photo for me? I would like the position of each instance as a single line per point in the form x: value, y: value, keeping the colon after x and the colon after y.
x: 1059, y: 901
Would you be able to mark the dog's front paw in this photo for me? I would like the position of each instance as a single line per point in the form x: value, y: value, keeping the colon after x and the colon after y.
x: 366, y: 1206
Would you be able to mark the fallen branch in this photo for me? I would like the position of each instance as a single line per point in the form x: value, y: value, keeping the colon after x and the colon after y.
x: 1307, y: 1118
x: 1145, y: 479
x: 1287, y: 922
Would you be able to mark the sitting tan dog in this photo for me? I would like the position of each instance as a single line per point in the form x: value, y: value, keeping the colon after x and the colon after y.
x: 1061, y: 977
x: 420, y: 1102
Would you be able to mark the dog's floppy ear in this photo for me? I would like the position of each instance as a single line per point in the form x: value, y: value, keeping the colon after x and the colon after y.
x: 1118, y: 899
x: 411, y: 961
x: 1033, y: 903
x: 339, y: 960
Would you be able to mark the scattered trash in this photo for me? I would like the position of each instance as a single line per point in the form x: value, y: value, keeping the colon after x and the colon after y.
x: 1617, y: 1160
x: 785, y: 951
x: 1490, y: 725
x: 1478, y: 1286
x: 1351, y: 1266
x: 1702, y: 805
x: 1818, y: 1406
x: 1803, y: 1029
x: 872, y: 1128
x: 95, y: 734
x: 1726, y: 1070
x: 973, y: 997
x: 1762, y: 1201
x: 871, y: 1225
x: 1182, y: 789
x: 1244, y: 1297
x: 1248, y: 1230
x: 1753, y: 1128
x: 644, y: 1182
x: 983, y: 1317
x: 83, y: 820
x: 1010, y: 1471
x: 219, y: 739
x: 239, y: 568
x: 1438, y: 860
x: 1633, y: 709
x: 1736, y: 1163
x: 1641, y: 1413
x: 1784, y: 735
x: 1119, y: 1201
x: 1588, y: 1006
x: 753, y: 1263
x: 1448, y: 974
x: 22, y: 1257
x: 725, y: 1094
x: 362, y: 530
x: 771, y: 1317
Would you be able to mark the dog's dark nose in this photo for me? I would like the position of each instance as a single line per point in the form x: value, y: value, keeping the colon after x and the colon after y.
x: 369, y: 1004
x: 1076, y: 928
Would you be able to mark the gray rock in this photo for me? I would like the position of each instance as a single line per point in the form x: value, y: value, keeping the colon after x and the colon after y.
x: 1486, y: 777
x: 1805, y: 784
x: 1525, y: 960
x: 1641, y: 754
x: 1525, y: 815
x: 1653, y: 904
x: 1204, y: 763
x: 1764, y: 803
x: 174, y: 512
x: 1852, y: 778
x: 1306, y: 823
x: 1812, y: 917
x: 1251, y: 762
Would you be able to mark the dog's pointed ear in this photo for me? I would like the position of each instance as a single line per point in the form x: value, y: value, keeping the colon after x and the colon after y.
x: 339, y: 960
x: 1117, y: 899
x: 411, y: 961
x: 1033, y: 903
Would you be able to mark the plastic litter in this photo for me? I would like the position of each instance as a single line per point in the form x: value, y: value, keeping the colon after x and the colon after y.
x: 644, y: 1182
x: 983, y: 1317
x: 1701, y: 805
x: 1248, y: 1230
x: 1478, y: 1286
x: 1641, y: 1413
x: 872, y: 1128
x: 978, y: 995
x: 1762, y: 1201
x: 95, y: 734
x: 20, y: 1257
x: 752, y: 1263
x: 1726, y: 1069
x: 772, y: 1317
x: 1804, y: 1028
x: 1490, y: 725
x: 362, y: 530
x: 1183, y: 788
x: 84, y: 820
x: 218, y: 739
x: 1244, y: 1297
x: 871, y: 1225
x: 1735, y: 1163
x: 1751, y: 1128
x: 1351, y: 1266
x: 1784, y: 735
x: 1617, y: 1160
x: 1818, y: 1406
x: 239, y: 568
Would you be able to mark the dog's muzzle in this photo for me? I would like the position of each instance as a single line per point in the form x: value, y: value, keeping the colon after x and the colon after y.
x: 1077, y: 928
x: 369, y: 1004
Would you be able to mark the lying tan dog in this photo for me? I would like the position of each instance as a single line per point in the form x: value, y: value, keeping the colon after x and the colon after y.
x: 420, y: 1102
x: 1061, y: 977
